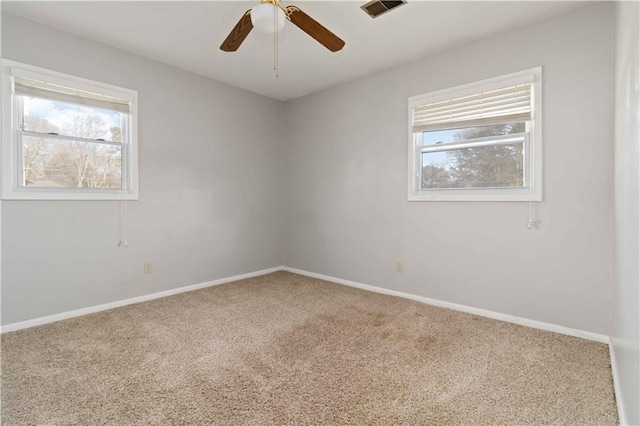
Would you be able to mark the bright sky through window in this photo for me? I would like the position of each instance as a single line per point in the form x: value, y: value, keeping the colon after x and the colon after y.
x: 62, y: 116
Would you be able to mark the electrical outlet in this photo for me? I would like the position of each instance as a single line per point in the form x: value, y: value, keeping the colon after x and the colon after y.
x: 148, y: 267
x: 400, y: 266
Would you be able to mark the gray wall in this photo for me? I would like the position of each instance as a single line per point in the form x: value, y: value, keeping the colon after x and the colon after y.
x: 210, y: 190
x: 215, y: 191
x: 626, y: 351
x: 347, y: 212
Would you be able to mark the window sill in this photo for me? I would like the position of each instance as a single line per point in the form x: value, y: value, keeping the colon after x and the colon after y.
x: 61, y: 195
x: 479, y: 195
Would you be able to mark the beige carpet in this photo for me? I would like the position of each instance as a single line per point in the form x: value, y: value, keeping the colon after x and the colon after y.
x: 286, y: 349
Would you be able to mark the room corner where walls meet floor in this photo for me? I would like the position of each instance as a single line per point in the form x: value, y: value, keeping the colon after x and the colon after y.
x: 286, y: 348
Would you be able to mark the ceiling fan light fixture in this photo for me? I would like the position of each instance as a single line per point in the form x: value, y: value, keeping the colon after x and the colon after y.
x: 262, y: 17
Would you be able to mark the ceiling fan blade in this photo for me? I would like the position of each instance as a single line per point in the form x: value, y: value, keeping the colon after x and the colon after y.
x: 238, y: 33
x: 310, y: 26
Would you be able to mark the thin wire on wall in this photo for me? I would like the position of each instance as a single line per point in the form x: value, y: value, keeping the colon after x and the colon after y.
x: 123, y: 224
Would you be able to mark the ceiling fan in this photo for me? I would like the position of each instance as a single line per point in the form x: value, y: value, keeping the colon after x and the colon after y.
x: 271, y: 16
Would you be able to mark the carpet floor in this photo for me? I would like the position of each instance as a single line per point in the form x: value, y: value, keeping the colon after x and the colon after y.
x: 287, y: 349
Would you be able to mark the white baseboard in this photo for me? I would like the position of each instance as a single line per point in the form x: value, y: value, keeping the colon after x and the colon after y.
x: 98, y: 308
x: 463, y: 308
x: 616, y: 385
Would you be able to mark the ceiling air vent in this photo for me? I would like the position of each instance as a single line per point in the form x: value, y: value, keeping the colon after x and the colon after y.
x: 376, y: 8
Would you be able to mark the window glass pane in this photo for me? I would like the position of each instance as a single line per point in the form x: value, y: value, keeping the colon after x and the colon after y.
x: 56, y: 163
x: 436, y: 137
x: 500, y: 166
x: 47, y: 116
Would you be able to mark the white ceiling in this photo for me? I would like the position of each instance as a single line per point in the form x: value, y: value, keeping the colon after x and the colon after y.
x: 187, y: 35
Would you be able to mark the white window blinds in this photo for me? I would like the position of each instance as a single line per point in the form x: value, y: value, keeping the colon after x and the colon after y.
x: 40, y: 88
x: 495, y: 106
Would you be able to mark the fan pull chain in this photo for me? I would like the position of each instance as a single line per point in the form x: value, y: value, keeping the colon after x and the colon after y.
x: 275, y: 40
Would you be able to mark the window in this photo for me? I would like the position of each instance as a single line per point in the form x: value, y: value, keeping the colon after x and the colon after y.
x: 66, y: 138
x: 478, y: 142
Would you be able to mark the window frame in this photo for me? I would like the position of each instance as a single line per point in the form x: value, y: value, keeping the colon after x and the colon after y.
x: 532, y: 145
x: 12, y: 138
